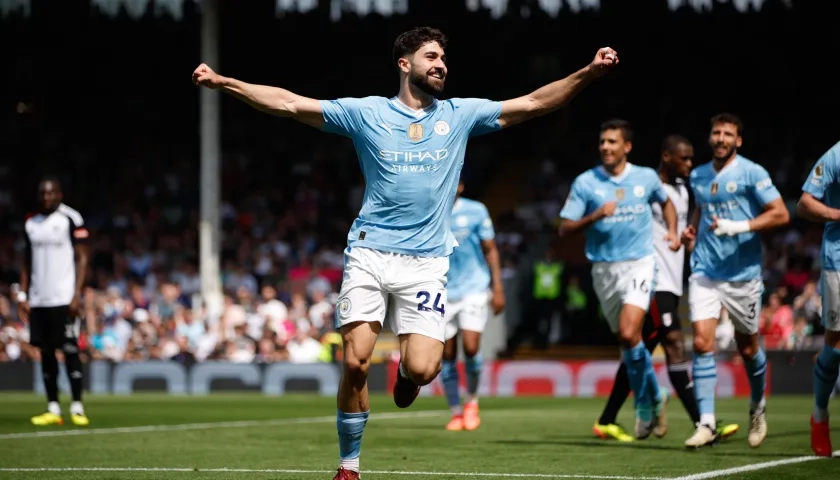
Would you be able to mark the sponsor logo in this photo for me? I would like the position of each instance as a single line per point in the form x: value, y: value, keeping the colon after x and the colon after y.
x: 722, y: 206
x: 762, y: 184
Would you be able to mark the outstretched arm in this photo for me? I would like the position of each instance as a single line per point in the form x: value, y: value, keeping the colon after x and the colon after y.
x: 273, y: 100
x: 554, y: 95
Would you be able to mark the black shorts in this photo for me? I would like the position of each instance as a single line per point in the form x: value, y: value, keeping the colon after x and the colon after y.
x: 52, y: 327
x: 662, y: 317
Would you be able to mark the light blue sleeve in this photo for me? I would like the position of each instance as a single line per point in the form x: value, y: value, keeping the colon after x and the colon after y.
x: 762, y: 185
x: 575, y: 207
x: 485, y: 228
x: 823, y: 174
x: 481, y: 116
x: 657, y: 191
x: 342, y: 116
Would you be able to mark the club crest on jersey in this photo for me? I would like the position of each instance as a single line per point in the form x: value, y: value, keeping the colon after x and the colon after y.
x: 818, y: 172
x: 619, y: 194
x: 441, y: 127
x: 731, y: 187
x: 639, y: 191
x: 714, y: 189
x: 415, y: 131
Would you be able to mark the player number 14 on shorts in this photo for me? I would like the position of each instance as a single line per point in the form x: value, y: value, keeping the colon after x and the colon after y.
x: 426, y: 296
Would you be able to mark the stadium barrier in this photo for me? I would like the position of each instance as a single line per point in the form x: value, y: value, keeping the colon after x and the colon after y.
x: 788, y: 373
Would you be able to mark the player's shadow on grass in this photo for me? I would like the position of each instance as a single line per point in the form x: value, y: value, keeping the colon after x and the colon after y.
x: 651, y: 444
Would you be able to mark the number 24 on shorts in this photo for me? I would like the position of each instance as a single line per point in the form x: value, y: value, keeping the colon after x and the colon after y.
x: 426, y: 296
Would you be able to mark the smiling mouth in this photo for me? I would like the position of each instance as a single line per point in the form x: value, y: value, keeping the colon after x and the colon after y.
x: 437, y: 75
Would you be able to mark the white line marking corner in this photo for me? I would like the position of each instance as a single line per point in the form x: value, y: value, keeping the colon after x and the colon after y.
x: 752, y: 468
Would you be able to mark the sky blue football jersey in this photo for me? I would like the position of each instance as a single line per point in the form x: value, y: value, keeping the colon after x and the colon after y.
x: 468, y: 269
x: 628, y: 233
x: 738, y: 192
x: 824, y: 184
x: 411, y: 161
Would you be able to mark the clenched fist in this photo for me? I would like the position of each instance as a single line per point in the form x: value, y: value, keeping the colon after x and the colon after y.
x: 204, y: 76
x: 605, y: 59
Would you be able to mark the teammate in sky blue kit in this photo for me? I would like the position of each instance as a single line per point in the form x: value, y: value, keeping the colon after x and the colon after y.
x: 735, y: 200
x: 411, y: 149
x: 474, y: 285
x: 612, y: 203
x: 820, y: 202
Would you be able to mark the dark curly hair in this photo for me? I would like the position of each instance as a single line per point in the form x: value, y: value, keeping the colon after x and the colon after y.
x: 410, y: 41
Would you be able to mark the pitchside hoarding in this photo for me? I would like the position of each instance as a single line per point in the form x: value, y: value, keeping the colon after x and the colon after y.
x: 788, y: 373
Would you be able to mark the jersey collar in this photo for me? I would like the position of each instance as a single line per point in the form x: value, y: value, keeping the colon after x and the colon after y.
x: 617, y: 178
x: 727, y: 167
x: 418, y: 114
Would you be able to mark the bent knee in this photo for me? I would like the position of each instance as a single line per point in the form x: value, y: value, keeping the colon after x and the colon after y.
x: 675, y: 348
x: 704, y: 343
x: 423, y: 372
x: 356, y: 367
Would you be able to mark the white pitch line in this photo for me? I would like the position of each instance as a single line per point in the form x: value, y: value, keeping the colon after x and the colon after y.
x: 212, y: 425
x: 752, y: 468
x: 366, y: 472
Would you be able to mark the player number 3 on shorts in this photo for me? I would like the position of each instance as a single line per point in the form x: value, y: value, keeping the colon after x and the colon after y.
x: 423, y: 306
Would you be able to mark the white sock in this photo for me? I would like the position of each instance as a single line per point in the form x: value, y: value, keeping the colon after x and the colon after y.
x: 351, y: 464
x: 760, y: 405
x: 472, y: 400
x: 54, y: 408
x: 820, y: 415
x: 456, y: 410
x: 404, y: 373
x: 708, y: 419
x: 76, y: 408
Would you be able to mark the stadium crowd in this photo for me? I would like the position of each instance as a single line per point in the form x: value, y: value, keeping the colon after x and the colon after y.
x: 289, y: 197
x: 282, y: 268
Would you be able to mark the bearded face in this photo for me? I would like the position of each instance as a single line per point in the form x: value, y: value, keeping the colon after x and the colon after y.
x: 428, y: 69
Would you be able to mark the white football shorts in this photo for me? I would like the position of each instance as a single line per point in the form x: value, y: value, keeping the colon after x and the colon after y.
x: 742, y: 300
x: 409, y: 290
x: 830, y: 286
x: 623, y: 283
x: 469, y: 313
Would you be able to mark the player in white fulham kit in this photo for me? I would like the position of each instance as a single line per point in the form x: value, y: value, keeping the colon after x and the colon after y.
x: 612, y: 203
x: 51, y: 282
x: 411, y: 148
x: 736, y: 199
x: 474, y: 287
